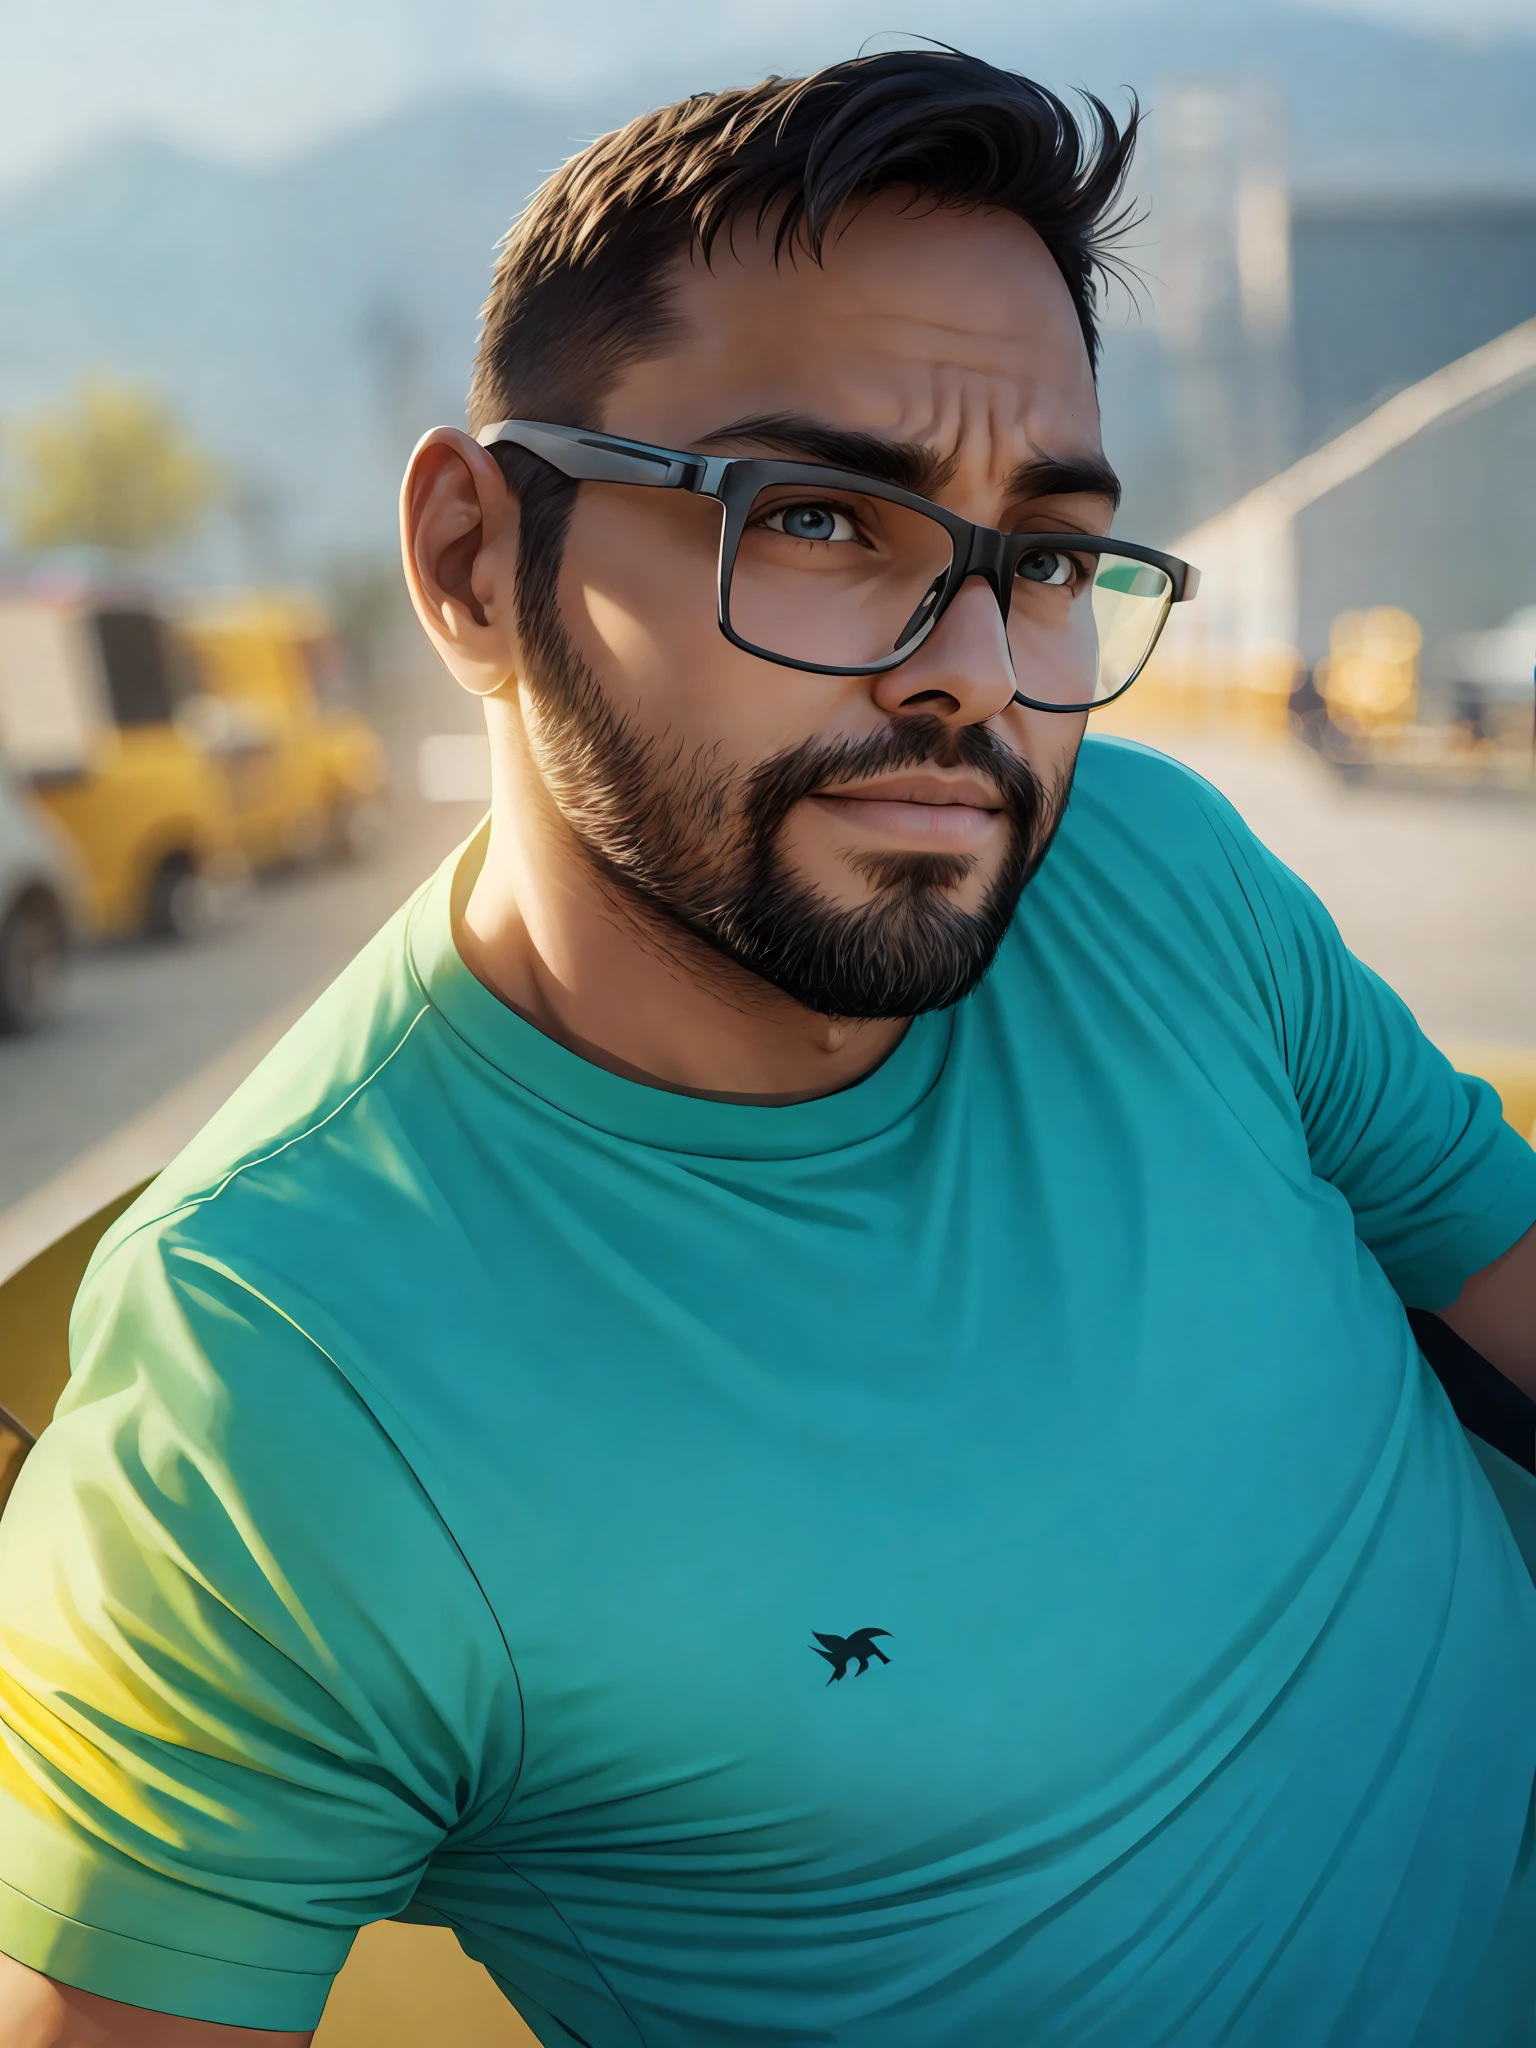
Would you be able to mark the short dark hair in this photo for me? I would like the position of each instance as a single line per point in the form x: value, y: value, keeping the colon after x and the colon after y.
x: 580, y: 286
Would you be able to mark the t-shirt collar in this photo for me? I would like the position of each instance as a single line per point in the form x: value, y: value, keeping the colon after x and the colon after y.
x: 592, y: 1095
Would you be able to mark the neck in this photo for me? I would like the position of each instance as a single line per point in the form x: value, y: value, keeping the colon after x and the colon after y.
x: 592, y: 969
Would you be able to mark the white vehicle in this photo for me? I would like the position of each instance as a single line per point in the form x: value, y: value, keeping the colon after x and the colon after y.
x: 1492, y: 676
x: 38, y: 894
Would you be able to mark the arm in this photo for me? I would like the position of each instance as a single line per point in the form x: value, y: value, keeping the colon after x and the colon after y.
x: 1495, y: 1313
x: 35, y: 2012
x: 1443, y: 1191
x: 247, y: 1684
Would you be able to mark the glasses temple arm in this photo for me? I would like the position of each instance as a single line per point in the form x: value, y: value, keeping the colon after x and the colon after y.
x: 595, y: 458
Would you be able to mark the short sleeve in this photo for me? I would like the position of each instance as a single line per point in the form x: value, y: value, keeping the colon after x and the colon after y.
x: 248, y: 1685
x: 1439, y: 1183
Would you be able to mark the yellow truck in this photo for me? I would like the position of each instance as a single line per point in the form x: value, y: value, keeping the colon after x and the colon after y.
x: 92, y: 685
x: 305, y: 772
x: 177, y: 755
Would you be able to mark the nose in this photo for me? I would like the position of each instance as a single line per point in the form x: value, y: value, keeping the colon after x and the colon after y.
x: 963, y: 672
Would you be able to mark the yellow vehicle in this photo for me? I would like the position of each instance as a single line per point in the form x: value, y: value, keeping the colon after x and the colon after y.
x: 92, y: 685
x: 304, y: 772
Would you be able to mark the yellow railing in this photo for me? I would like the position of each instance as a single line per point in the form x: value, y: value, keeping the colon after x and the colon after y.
x: 1512, y: 1071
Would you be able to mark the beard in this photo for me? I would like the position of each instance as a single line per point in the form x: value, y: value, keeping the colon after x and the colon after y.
x: 696, y: 849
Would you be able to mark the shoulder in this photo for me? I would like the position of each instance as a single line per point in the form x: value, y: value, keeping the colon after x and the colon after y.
x: 205, y: 1350
x: 1165, y: 836
x: 1158, y: 873
x: 297, y: 1114
x: 1133, y: 792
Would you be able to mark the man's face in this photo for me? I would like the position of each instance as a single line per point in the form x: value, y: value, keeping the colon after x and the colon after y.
x: 858, y: 842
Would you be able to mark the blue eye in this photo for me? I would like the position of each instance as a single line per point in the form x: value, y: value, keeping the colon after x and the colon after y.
x: 811, y: 522
x: 1046, y: 566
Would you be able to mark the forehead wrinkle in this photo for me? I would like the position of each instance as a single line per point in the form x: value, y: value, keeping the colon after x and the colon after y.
x: 934, y: 411
x: 964, y: 409
x: 938, y: 339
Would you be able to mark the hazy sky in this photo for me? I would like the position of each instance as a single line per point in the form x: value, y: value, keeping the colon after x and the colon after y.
x: 256, y: 78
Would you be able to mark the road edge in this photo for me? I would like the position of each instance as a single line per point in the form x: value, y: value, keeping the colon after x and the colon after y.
x: 137, y: 1150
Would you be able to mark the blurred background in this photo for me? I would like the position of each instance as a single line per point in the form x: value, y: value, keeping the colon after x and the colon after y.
x: 242, y: 252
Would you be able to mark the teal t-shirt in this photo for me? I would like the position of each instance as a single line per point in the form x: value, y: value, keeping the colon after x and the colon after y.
x: 973, y: 1560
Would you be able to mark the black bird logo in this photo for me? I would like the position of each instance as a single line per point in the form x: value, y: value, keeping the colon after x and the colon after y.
x: 840, y: 1651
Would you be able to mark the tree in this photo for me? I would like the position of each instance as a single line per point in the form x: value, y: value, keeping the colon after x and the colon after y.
x: 111, y: 468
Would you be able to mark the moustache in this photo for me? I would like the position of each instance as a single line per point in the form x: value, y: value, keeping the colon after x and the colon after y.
x: 775, y: 786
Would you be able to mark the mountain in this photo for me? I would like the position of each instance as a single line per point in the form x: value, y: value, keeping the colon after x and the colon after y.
x: 310, y: 319
x: 307, y: 321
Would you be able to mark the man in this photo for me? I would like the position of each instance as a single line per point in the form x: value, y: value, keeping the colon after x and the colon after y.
x: 799, y: 1440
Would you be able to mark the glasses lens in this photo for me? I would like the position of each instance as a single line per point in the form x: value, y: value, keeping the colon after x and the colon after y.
x: 835, y: 578
x: 1081, y: 625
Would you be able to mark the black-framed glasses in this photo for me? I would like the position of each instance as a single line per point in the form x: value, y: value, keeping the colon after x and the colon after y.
x: 844, y: 575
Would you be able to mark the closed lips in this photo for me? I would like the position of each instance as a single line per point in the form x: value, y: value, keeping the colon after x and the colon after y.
x: 948, y: 814
x: 971, y: 790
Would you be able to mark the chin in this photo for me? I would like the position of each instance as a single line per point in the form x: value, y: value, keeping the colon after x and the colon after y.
x: 960, y: 878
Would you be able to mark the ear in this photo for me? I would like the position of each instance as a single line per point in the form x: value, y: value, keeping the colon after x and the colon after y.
x: 458, y: 535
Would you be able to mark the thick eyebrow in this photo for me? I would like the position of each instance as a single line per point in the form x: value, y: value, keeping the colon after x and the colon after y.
x: 910, y: 465
x: 907, y: 464
x: 1065, y: 476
